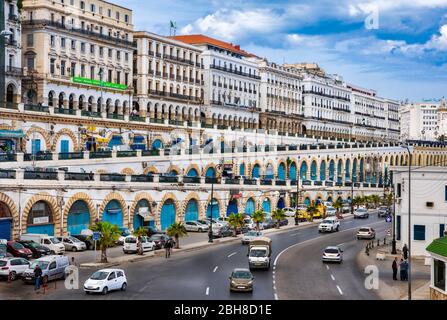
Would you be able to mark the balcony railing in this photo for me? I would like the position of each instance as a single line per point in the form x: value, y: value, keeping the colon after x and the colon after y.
x: 137, y: 118
x: 142, y: 178
x: 234, y: 71
x: 7, y: 174
x: 79, y: 176
x: 123, y: 154
x: 112, y: 177
x: 14, y: 71
x: 64, y: 111
x: 248, y: 181
x: 5, y: 157
x: 115, y: 116
x: 146, y: 153
x: 44, y: 156
x: 92, y: 114
x: 70, y: 155
x: 37, y: 108
x: 40, y: 175
x: 168, y: 179
x: 100, y: 154
x: 187, y: 179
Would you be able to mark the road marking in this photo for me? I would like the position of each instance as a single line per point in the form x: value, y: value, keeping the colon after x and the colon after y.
x: 231, y: 254
x: 207, y: 291
x: 339, y: 290
x: 276, y: 296
x: 294, y: 234
x: 332, y: 277
x: 274, y: 282
x: 215, y: 268
x: 339, y: 245
x: 327, y: 267
x: 274, y: 288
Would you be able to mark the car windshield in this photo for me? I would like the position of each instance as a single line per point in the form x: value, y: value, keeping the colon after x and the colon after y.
x: 251, y: 234
x: 328, y: 221
x: 74, y: 239
x: 130, y: 240
x: 54, y: 240
x: 331, y: 250
x: 99, y: 275
x: 361, y: 210
x: 241, y: 274
x: 2, y: 248
x: 257, y: 253
x: 17, y: 246
x: 32, y: 245
x: 155, y: 237
x: 364, y: 230
x: 42, y: 264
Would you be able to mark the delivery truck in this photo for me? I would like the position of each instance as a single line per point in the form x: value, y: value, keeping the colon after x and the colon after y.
x: 260, y: 251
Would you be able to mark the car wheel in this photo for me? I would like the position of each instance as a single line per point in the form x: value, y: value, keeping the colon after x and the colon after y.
x: 105, y: 290
x: 200, y: 230
x: 87, y: 292
x: 337, y: 228
x: 124, y: 286
x: 52, y: 252
x: 12, y: 275
x: 74, y: 249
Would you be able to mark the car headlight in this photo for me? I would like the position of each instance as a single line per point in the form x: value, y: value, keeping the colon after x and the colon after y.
x: 250, y: 282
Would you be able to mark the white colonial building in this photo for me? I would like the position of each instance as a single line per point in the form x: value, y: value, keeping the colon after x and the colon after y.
x: 423, y: 121
x: 428, y: 204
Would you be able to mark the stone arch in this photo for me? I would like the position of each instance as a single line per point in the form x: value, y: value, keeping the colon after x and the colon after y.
x: 221, y: 204
x: 118, y: 197
x: 65, y: 132
x: 78, y: 196
x: 128, y: 171
x: 138, y: 197
x: 51, y: 201
x: 192, y: 166
x: 249, y: 195
x: 210, y: 165
x: 39, y: 130
x: 150, y: 169
x: 191, y: 196
x: 263, y: 197
x: 14, y: 214
x: 166, y: 197
x: 252, y: 165
x: 175, y: 168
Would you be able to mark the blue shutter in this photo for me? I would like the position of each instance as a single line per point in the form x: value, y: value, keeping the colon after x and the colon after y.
x: 266, y: 207
x: 78, y: 218
x: 331, y: 170
x: 269, y: 174
x: 313, y: 171
x: 281, y: 204
x: 137, y: 221
x: 167, y: 216
x: 41, y: 229
x: 5, y: 229
x: 323, y: 171
x: 307, y: 202
x: 35, y: 146
x: 232, y: 207
x: 255, y: 171
x: 210, y: 173
x: 192, y: 211
x: 242, y: 169
x: 292, y: 173
x: 419, y: 232
x: 303, y: 171
x: 157, y: 144
x: 113, y: 213
x: 192, y: 173
x: 282, y: 172
x: 214, y: 207
x: 65, y: 146
x: 250, y: 207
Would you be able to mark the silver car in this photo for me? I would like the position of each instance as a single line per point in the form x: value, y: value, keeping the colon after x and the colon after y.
x: 332, y: 254
x: 72, y: 243
x: 196, y: 226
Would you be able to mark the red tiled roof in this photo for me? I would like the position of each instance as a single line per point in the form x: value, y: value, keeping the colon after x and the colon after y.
x: 198, y: 39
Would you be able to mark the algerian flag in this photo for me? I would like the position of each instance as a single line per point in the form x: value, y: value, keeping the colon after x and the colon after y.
x: 173, y: 24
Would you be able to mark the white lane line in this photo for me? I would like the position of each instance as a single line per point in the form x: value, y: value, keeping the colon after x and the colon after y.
x: 327, y: 267
x: 274, y: 288
x: 207, y: 291
x: 332, y: 277
x: 215, y: 268
x: 339, y: 245
x: 276, y: 296
x: 294, y: 234
x: 231, y: 254
x: 339, y: 290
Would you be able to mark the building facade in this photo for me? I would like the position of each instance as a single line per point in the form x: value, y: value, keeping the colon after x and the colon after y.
x: 422, y: 121
x: 77, y: 55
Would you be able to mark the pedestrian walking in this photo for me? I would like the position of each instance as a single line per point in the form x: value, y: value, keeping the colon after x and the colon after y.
x: 395, y: 267
x: 405, y: 251
x: 37, y: 276
x: 140, y: 246
x: 73, y: 263
x: 167, y: 249
x: 401, y: 267
x: 91, y: 176
x: 405, y: 264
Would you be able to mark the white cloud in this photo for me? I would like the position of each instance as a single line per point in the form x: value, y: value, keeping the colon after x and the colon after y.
x: 439, y: 42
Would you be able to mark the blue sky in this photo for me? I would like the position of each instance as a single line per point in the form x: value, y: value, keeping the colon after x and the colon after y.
x: 403, y: 56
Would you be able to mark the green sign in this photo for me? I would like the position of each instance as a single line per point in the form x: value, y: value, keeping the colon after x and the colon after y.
x: 93, y: 82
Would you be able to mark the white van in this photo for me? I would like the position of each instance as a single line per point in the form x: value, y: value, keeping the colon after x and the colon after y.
x: 45, y: 240
x: 130, y: 244
x: 53, y: 268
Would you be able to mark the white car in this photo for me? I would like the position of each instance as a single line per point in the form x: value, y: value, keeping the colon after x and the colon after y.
x: 290, y: 212
x: 330, y: 224
x: 13, y: 267
x: 250, y: 235
x: 332, y: 254
x: 73, y: 244
x: 130, y: 244
x: 216, y: 223
x: 106, y: 280
x: 331, y: 211
x: 366, y: 233
x: 196, y: 226
x: 361, y: 213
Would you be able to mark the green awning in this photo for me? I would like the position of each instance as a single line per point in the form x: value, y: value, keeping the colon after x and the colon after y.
x: 12, y: 134
x: 438, y: 246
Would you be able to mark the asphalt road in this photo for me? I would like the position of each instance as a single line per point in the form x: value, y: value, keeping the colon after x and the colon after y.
x: 203, y: 274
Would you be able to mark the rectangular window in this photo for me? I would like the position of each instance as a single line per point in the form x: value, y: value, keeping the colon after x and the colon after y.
x: 53, y: 43
x: 118, y: 55
x: 30, y: 39
x: 73, y: 44
x: 126, y: 18
x: 101, y: 51
x: 110, y: 53
x: 398, y: 226
x: 92, y: 72
x: 441, y: 230
x: 92, y: 49
x: 52, y: 61
x: 63, y: 68
x: 439, y: 274
x: 110, y: 76
x: 83, y: 47
x: 126, y: 56
x: 117, y: 16
x: 399, y: 190
x: 126, y: 78
x: 83, y: 70
x: 118, y: 77
x: 63, y: 42
x: 419, y: 232
x: 109, y: 13
x: 445, y: 193
x: 73, y: 69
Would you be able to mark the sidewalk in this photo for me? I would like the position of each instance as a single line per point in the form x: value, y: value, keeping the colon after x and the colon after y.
x: 117, y: 260
x: 390, y: 289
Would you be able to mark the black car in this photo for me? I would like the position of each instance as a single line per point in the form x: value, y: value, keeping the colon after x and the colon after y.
x: 283, y: 222
x: 37, y: 249
x: 160, y: 240
x: 151, y: 230
x: 89, y: 243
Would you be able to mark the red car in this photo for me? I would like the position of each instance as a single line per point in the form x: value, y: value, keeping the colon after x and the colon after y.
x: 18, y: 250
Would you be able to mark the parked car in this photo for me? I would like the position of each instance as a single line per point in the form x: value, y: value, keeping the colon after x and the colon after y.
x: 53, y: 268
x: 223, y: 221
x: 124, y: 233
x: 225, y: 231
x: 331, y: 211
x: 330, y: 224
x: 196, y: 226
x: 55, y: 246
x: 130, y: 244
x: 3, y: 249
x: 332, y: 254
x: 215, y: 222
x: 346, y: 208
x: 151, y: 230
x: 18, y: 250
x: 72, y: 243
x: 248, y: 223
x: 361, y: 213
x: 383, y: 211
x: 241, y: 280
x: 160, y: 240
x: 37, y: 249
x: 105, y: 280
x: 13, y: 267
x: 269, y: 223
x: 284, y: 222
x: 290, y: 212
x: 89, y: 243
x: 366, y: 233
x: 250, y: 235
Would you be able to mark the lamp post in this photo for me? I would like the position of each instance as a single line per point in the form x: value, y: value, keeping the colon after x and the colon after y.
x: 210, y: 231
x: 393, y: 243
x: 409, y: 219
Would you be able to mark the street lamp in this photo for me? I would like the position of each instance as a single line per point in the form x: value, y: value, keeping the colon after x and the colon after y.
x: 406, y: 146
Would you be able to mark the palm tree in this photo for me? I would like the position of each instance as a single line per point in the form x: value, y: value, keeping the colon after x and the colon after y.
x: 140, y: 232
x: 258, y: 218
x: 338, y: 204
x: 236, y: 220
x: 312, y: 210
x: 176, y: 230
x: 278, y: 215
x: 375, y: 199
x: 109, y: 235
x: 358, y: 200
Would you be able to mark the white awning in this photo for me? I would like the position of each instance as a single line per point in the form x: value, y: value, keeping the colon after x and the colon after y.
x: 147, y: 216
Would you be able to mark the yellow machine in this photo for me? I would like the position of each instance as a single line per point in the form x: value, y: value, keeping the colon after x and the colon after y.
x: 303, y: 215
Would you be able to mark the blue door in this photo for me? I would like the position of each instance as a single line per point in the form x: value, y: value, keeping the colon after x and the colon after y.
x: 354, y: 171
x: 339, y: 168
x: 78, y: 218
x: 192, y: 173
x: 138, y: 221
x: 331, y: 170
x: 167, y: 216
x: 113, y: 213
x: 307, y: 202
x: 250, y: 207
x: 313, y: 171
x: 281, y: 204
x: 255, y: 171
x: 303, y: 171
x: 115, y: 141
x: 323, y: 171
x: 269, y: 174
x: 35, y: 146
x: 361, y: 170
x: 292, y: 172
x: 192, y: 211
x: 282, y: 172
x: 210, y: 173
x: 65, y: 146
x: 5, y: 228
x: 242, y: 169
x: 347, y: 171
x: 232, y: 207
x: 41, y: 229
x: 266, y: 207
x: 214, y: 208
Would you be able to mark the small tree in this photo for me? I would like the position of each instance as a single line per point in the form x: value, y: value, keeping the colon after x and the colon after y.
x: 311, y: 211
x: 109, y: 235
x: 176, y: 230
x: 258, y: 218
x: 139, y: 232
x: 236, y: 220
x: 338, y: 204
x: 375, y: 200
x: 278, y: 215
x: 358, y: 200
